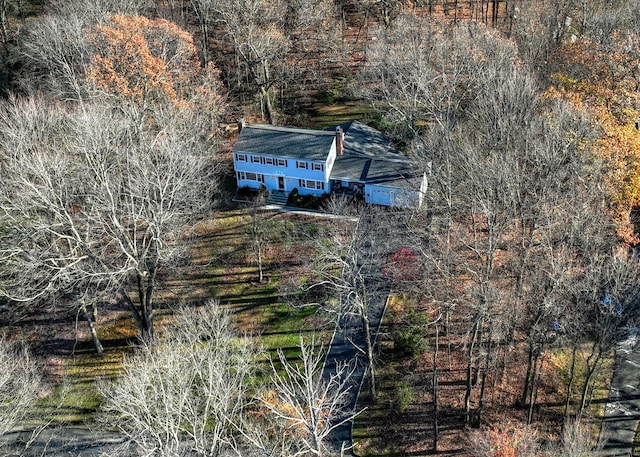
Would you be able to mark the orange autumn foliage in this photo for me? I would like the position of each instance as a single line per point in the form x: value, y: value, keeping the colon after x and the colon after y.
x: 509, y: 442
x: 296, y: 423
x: 147, y: 61
x: 507, y: 439
x: 602, y: 78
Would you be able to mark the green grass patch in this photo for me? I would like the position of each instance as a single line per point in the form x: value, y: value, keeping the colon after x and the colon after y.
x: 368, y: 430
x: 328, y: 115
x: 220, y: 266
x: 75, y: 399
x: 560, y: 361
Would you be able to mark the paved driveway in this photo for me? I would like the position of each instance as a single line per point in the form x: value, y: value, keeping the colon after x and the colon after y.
x: 60, y: 442
x: 622, y: 413
x: 348, y: 344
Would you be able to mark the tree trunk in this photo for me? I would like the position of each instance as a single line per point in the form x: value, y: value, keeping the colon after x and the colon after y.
x: 572, y: 374
x: 259, y: 251
x: 386, y: 15
x: 534, y: 389
x: 146, y: 284
x: 3, y: 23
x: 205, y: 42
x: 257, y: 240
x: 527, y: 376
x: 434, y: 389
x: 495, y: 12
x: 148, y: 303
x: 470, y: 353
x: 266, y: 100
x: 447, y: 335
x: 485, y: 372
x: 134, y: 310
x: 92, y: 329
x: 366, y: 327
x: 592, y: 365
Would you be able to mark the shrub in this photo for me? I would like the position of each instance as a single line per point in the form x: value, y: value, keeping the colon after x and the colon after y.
x: 507, y: 439
x: 410, y: 336
x: 405, y: 395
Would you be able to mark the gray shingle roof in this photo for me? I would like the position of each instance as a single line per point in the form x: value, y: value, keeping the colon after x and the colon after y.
x: 285, y: 142
x: 394, y: 174
x: 369, y: 157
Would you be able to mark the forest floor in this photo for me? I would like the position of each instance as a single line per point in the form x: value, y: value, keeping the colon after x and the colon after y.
x: 401, y: 421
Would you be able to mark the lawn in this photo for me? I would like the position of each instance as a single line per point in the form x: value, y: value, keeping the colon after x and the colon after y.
x: 219, y: 265
x: 327, y: 115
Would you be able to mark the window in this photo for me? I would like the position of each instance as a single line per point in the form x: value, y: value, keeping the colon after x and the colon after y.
x: 255, y: 159
x: 241, y: 157
x: 307, y: 184
x: 282, y: 163
x: 317, y: 166
x: 300, y: 164
x: 268, y: 160
x: 250, y: 176
x: 255, y: 177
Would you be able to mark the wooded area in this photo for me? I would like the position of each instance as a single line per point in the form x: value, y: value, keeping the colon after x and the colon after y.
x: 513, y: 285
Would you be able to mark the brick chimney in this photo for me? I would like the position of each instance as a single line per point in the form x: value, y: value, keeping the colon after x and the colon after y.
x: 339, y: 140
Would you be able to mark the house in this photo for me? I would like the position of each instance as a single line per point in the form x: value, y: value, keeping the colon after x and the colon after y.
x: 352, y: 158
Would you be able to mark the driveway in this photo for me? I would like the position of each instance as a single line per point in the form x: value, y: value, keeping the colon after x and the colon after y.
x: 348, y: 344
x: 622, y: 414
x: 60, y: 442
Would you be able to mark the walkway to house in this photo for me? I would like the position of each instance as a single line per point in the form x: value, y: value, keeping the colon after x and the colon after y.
x: 348, y: 345
x: 622, y: 414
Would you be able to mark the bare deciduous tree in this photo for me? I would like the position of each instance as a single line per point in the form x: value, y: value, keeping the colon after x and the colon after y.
x: 604, y: 303
x: 94, y: 205
x: 20, y: 382
x: 55, y: 54
x: 352, y: 259
x: 309, y: 406
x: 255, y: 30
x: 184, y: 394
x: 420, y: 72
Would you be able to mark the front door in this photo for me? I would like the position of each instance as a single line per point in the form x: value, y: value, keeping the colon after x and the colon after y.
x: 280, y: 182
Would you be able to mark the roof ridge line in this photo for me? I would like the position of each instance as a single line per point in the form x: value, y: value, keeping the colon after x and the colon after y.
x: 290, y: 129
x: 403, y: 159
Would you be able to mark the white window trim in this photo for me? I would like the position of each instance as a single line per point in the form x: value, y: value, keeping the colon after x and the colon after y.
x: 248, y: 176
x: 310, y: 184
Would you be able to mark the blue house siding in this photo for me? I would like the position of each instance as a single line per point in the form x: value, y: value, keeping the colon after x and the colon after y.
x: 269, y: 169
x: 358, y: 158
x: 391, y: 196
